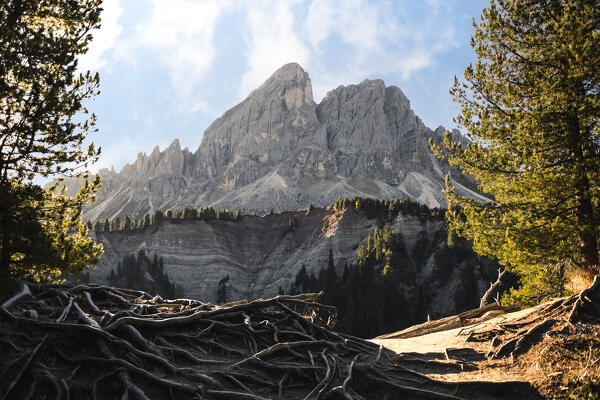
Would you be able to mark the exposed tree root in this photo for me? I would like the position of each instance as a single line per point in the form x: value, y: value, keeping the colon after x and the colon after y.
x: 522, y: 333
x: 587, y: 303
x: 98, y: 342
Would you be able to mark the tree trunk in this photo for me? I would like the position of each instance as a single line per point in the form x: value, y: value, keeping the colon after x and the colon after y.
x: 4, y: 229
x: 4, y: 255
x: 588, y: 242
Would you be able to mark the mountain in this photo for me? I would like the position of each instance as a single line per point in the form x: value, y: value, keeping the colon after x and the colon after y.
x: 279, y: 149
x: 260, y: 256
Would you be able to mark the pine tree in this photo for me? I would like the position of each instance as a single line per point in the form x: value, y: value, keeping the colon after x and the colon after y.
x: 330, y: 276
x: 98, y: 226
x: 127, y: 224
x: 43, y: 126
x: 115, y: 224
x: 531, y: 106
x: 157, y: 217
x: 147, y: 221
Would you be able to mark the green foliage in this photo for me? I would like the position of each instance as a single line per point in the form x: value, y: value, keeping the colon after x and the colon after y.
x: 42, y: 234
x: 43, y: 122
x: 157, y: 218
x: 131, y: 273
x: 369, y: 303
x: 380, y: 292
x: 385, y: 249
x: 531, y: 107
x: 387, y: 210
x: 372, y: 208
x: 538, y: 285
x: 367, y: 295
x: 43, y: 126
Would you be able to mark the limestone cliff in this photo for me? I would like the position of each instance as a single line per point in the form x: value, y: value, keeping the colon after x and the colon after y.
x: 278, y: 149
x: 261, y: 255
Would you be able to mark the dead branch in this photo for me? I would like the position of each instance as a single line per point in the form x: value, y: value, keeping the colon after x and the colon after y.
x: 22, y: 293
x: 493, y: 286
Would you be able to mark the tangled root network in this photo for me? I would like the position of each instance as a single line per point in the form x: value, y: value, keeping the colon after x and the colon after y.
x: 97, y: 342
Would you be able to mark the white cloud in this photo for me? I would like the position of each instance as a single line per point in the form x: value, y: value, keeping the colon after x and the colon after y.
x: 386, y: 40
x: 356, y: 21
x: 271, y: 40
x: 182, y: 33
x: 103, y: 38
x: 179, y: 34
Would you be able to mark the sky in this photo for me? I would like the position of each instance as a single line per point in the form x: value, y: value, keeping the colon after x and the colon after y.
x: 170, y: 68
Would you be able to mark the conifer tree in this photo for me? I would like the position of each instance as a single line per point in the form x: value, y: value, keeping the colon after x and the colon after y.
x: 127, y: 224
x: 157, y: 217
x: 531, y: 106
x: 98, y: 226
x: 115, y: 224
x: 43, y: 126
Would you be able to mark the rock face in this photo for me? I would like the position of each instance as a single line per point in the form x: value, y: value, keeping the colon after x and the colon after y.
x: 261, y: 255
x: 278, y: 149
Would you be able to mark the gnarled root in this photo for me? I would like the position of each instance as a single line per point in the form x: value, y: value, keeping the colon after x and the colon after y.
x: 98, y: 342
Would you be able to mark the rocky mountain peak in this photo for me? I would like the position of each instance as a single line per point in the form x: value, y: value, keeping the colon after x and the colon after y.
x: 278, y: 149
x: 289, y: 72
x: 174, y: 146
x: 394, y: 94
x: 290, y: 83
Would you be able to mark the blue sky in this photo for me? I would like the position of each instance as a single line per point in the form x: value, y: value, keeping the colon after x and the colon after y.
x: 169, y: 68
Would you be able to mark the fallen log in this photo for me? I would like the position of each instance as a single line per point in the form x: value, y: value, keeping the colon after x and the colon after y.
x: 463, y: 319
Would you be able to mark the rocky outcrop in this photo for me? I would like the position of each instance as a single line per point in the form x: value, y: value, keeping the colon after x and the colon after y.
x: 262, y: 255
x: 278, y: 149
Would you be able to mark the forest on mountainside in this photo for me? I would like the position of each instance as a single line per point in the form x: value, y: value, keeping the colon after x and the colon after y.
x: 377, y: 292
x: 371, y: 295
x: 139, y: 272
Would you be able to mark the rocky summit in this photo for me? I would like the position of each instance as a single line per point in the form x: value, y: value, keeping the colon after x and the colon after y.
x: 279, y: 149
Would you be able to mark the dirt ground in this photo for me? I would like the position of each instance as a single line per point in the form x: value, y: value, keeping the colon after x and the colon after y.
x: 561, y: 359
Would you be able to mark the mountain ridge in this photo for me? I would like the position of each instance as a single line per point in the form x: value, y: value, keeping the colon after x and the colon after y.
x: 279, y: 149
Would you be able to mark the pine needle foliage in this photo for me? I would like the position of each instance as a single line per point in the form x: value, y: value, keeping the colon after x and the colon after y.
x: 531, y: 106
x: 43, y: 126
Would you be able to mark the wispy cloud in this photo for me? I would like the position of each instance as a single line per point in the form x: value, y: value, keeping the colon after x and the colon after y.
x: 104, y: 38
x: 385, y: 39
x: 272, y: 40
x: 179, y: 34
x: 380, y: 37
x: 357, y: 22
